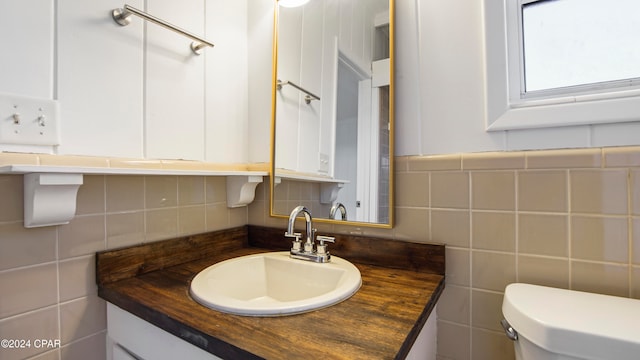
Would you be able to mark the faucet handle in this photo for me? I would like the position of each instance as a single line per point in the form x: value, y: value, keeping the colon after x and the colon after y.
x: 293, y: 235
x: 296, y: 242
x: 322, y: 247
x: 322, y: 239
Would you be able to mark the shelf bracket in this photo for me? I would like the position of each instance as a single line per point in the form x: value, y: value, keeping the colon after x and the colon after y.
x: 50, y: 199
x: 329, y: 192
x: 241, y: 190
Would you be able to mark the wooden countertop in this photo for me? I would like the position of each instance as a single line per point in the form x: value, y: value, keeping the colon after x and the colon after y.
x: 401, y: 283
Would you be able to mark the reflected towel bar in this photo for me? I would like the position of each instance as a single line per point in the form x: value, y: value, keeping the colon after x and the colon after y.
x: 122, y: 17
x: 310, y: 96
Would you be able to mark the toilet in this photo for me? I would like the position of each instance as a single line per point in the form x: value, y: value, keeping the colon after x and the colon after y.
x: 556, y: 324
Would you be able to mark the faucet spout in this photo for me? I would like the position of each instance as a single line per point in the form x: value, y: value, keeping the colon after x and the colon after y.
x: 321, y: 255
x: 307, y: 216
x: 336, y: 207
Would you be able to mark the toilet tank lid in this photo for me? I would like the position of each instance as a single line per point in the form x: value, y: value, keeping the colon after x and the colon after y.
x: 575, y: 323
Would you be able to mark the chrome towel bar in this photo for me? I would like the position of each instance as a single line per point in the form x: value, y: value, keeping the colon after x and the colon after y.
x: 310, y: 96
x: 122, y: 17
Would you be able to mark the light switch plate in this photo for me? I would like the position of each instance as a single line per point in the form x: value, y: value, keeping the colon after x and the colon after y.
x: 28, y: 121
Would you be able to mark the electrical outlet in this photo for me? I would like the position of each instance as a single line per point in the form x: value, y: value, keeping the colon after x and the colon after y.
x: 28, y: 121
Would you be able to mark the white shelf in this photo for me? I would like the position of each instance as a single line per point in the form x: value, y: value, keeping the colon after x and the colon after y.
x: 308, y: 178
x: 50, y: 191
x: 329, y: 187
x: 26, y: 169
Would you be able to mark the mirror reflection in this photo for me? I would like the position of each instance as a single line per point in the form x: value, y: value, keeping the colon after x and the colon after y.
x: 333, y: 110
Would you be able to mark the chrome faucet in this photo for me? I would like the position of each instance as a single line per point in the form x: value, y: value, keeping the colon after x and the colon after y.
x: 308, y: 245
x: 336, y: 207
x: 307, y: 252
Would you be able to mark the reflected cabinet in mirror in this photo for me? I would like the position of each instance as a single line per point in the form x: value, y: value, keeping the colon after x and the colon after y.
x: 332, y: 140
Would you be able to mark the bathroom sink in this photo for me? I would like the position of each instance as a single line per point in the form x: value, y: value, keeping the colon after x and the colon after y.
x: 273, y: 284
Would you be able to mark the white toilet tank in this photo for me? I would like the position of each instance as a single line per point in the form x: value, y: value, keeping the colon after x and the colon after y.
x: 560, y: 324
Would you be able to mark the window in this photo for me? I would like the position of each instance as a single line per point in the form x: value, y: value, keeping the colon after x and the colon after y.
x: 568, y: 62
x: 579, y: 45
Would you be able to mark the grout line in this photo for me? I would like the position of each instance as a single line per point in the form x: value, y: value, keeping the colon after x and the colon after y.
x: 430, y: 209
x: 33, y: 311
x: 569, y: 227
x: 145, y: 215
x: 102, y: 332
x: 629, y: 234
x: 30, y: 266
x: 59, y: 297
x: 104, y: 212
x: 471, y: 251
x: 517, y: 225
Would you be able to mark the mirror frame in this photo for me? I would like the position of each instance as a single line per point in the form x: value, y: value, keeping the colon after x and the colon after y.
x: 272, y: 164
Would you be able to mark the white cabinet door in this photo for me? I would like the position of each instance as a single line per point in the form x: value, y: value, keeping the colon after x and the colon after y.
x: 147, y: 341
x: 121, y: 354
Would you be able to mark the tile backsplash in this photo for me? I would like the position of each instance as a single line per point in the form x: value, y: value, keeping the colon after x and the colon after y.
x: 563, y: 218
x: 47, y: 275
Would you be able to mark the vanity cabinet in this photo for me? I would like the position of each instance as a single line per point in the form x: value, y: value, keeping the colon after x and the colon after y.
x: 131, y: 338
x: 120, y: 354
x: 151, y: 315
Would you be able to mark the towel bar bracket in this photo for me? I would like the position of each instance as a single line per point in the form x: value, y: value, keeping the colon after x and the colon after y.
x: 308, y: 95
x: 122, y: 16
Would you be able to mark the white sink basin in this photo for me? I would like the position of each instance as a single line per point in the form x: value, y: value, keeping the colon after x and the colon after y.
x: 272, y: 284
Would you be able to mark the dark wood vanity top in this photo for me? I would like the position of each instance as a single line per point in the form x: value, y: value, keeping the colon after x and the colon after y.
x: 401, y: 283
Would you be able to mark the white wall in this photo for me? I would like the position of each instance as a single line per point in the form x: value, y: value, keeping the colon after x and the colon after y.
x: 440, y: 88
x: 136, y: 91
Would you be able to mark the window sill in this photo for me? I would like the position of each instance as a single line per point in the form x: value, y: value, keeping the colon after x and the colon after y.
x: 579, y: 112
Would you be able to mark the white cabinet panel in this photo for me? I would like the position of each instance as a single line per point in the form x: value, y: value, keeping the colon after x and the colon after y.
x: 424, y: 348
x: 174, y: 83
x: 260, y: 46
x: 287, y: 114
x: 227, y: 81
x: 99, y: 80
x: 311, y: 79
x: 147, y: 341
x: 26, y: 35
x: 329, y: 81
x: 120, y: 353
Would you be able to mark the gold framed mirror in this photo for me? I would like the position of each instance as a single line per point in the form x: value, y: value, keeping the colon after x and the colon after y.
x: 333, y: 111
